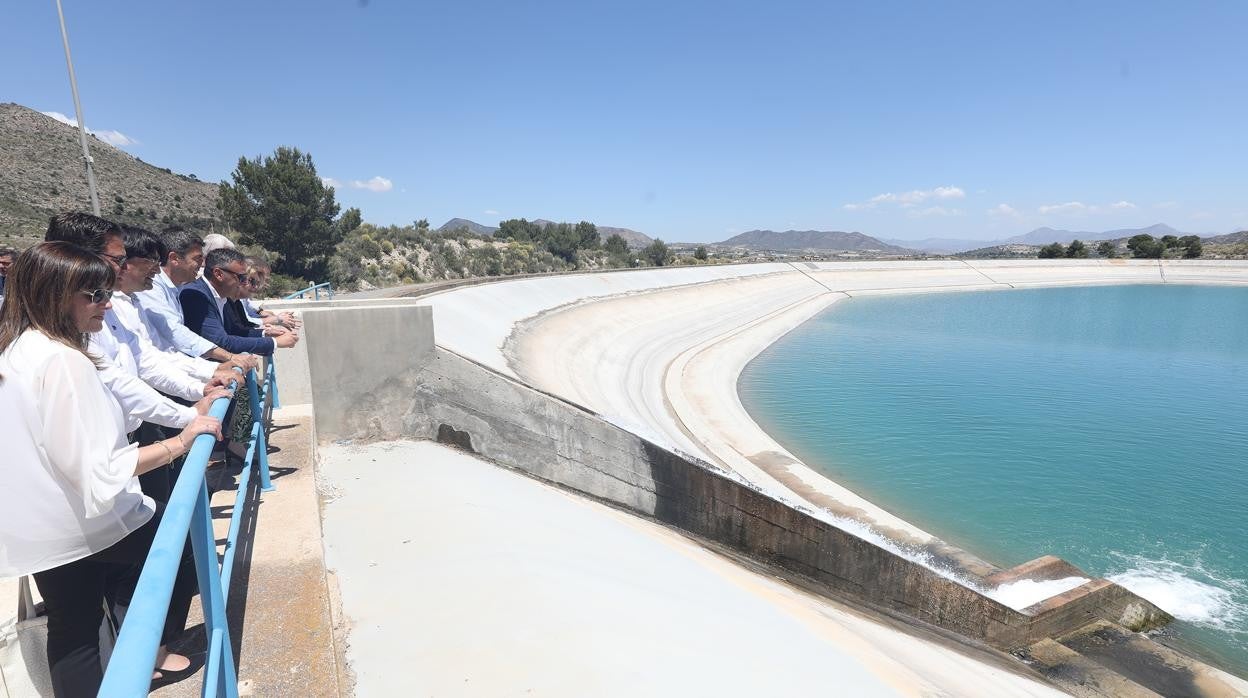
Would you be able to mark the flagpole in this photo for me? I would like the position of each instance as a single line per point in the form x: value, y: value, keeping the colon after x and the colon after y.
x: 82, y: 128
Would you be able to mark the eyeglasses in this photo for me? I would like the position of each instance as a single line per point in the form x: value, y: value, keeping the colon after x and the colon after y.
x: 118, y: 259
x: 99, y: 296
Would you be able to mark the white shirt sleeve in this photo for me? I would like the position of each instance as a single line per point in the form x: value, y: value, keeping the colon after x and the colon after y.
x: 163, y: 375
x: 139, y: 401
x: 74, y: 408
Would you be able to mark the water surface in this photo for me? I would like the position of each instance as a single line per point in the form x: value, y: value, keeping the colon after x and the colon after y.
x: 1105, y: 425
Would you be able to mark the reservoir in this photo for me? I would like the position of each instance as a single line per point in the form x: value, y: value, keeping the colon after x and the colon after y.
x: 1106, y: 425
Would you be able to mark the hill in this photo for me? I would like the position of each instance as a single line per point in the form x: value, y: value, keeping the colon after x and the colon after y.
x: 811, y: 241
x: 472, y: 226
x: 41, y: 174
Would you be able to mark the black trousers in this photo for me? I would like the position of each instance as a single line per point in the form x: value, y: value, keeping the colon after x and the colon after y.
x: 74, y: 596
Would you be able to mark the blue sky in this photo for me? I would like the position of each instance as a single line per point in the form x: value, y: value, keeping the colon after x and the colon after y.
x: 686, y: 120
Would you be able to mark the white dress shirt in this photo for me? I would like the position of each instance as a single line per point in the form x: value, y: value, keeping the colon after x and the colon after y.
x: 130, y: 318
x: 119, y: 371
x: 67, y: 488
x: 162, y: 311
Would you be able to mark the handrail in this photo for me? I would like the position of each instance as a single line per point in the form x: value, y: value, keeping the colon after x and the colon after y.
x: 315, y: 290
x: 130, y: 667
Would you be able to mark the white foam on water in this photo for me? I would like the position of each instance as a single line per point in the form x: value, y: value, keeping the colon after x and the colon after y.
x: 1188, y: 592
x: 1028, y: 592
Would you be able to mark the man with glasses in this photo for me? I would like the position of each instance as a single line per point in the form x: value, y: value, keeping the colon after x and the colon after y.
x: 203, y: 305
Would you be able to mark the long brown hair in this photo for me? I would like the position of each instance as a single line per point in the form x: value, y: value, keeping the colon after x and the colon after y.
x: 40, y: 291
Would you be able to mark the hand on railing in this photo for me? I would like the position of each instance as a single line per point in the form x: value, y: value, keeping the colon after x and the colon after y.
x: 214, y: 394
x: 202, y: 424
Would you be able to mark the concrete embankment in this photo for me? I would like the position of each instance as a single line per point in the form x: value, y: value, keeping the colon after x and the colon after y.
x: 643, y: 449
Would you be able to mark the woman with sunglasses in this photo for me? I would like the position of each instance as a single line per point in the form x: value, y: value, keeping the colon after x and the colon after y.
x: 71, y: 509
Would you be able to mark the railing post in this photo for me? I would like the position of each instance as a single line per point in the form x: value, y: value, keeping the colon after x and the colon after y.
x: 261, y: 446
x: 270, y: 381
x: 223, y: 677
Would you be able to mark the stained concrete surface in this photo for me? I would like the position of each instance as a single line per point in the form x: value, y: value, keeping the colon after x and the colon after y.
x: 462, y: 578
x: 280, y: 603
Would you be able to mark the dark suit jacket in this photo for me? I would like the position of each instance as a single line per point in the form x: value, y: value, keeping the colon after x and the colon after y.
x: 201, y: 315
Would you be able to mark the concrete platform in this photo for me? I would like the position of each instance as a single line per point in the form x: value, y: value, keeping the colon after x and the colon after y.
x: 280, y: 602
x: 459, y: 577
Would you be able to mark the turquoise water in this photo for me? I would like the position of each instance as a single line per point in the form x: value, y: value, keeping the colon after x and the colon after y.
x: 1107, y: 425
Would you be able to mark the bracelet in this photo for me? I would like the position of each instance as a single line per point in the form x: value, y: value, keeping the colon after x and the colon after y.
x: 167, y: 450
x: 181, y: 442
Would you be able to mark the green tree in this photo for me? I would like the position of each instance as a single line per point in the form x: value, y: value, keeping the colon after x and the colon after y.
x: 1144, y: 246
x: 279, y: 203
x: 699, y: 253
x: 1076, y: 249
x: 1191, y: 246
x: 587, y: 236
x: 616, y: 245
x: 1052, y: 251
x: 1169, y: 241
x: 350, y: 220
x: 657, y: 253
x: 1107, y: 249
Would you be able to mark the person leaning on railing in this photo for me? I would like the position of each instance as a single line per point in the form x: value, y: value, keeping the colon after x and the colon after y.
x: 71, y: 510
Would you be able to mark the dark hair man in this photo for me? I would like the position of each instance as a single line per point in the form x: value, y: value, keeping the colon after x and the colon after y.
x: 203, y: 302
x: 92, y: 233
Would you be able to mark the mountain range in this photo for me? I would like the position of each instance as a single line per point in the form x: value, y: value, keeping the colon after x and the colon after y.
x: 811, y: 241
x: 1039, y: 236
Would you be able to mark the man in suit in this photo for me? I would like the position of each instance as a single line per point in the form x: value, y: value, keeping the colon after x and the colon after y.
x: 203, y: 305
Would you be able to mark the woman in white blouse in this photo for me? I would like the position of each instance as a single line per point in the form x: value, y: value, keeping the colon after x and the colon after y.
x: 71, y: 510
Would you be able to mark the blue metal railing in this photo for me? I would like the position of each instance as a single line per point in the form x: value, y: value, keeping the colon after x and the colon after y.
x: 130, y: 667
x: 316, y: 290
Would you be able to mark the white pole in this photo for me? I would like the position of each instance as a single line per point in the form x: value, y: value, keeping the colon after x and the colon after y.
x: 82, y: 129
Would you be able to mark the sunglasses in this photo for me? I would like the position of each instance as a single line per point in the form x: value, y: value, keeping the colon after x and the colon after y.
x: 118, y: 259
x: 99, y: 296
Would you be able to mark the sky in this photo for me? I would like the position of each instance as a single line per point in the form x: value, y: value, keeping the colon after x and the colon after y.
x: 689, y: 121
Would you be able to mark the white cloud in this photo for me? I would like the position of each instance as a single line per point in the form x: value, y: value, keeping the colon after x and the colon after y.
x: 909, y: 199
x: 1068, y: 207
x: 935, y: 211
x: 490, y: 212
x: 377, y: 184
x: 1122, y: 205
x: 113, y: 138
x: 1004, y: 210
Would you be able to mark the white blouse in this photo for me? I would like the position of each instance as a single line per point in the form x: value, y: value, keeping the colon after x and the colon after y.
x: 67, y: 483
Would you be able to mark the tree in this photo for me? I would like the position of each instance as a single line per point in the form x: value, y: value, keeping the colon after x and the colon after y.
x: 1052, y: 251
x: 350, y: 220
x: 1107, y: 249
x: 1192, y: 247
x: 1077, y: 250
x: 699, y: 253
x: 279, y: 203
x: 587, y: 236
x: 616, y: 245
x: 657, y: 253
x: 1143, y: 246
x: 1170, y: 241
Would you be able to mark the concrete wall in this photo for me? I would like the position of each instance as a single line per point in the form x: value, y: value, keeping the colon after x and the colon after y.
x: 377, y: 375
